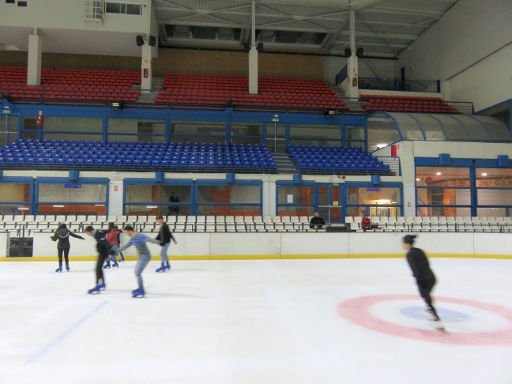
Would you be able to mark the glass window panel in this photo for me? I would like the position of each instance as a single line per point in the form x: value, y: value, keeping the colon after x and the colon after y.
x: 443, y: 196
x: 494, y: 212
x: 246, y: 129
x: 194, y: 139
x: 381, y: 130
x: 14, y: 192
x: 133, y: 138
x: 325, y: 132
x: 246, y: 140
x: 431, y: 127
x: 158, y: 193
x: 67, y: 136
x: 228, y: 210
x: 113, y: 8
x: 494, y: 177
x: 313, y: 142
x: 293, y: 210
x: 442, y: 177
x: 73, y: 192
x: 133, y: 9
x: 371, y: 195
x: 204, y: 128
x: 134, y: 126
x: 444, y: 211
x: 374, y: 211
x: 497, y: 129
x: 408, y: 126
x: 228, y: 194
x: 475, y: 128
x: 355, y: 132
x: 157, y: 210
x: 357, y: 144
x: 72, y: 209
x: 14, y: 209
x: 453, y: 127
x: 72, y: 124
x: 8, y: 129
x: 295, y: 195
x: 494, y: 196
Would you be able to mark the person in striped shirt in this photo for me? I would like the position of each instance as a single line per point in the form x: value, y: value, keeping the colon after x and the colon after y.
x: 139, y: 240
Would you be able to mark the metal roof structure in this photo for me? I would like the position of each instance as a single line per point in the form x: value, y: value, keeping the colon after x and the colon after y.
x: 383, y: 27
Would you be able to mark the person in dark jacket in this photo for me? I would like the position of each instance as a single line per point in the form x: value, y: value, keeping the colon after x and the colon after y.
x: 425, y: 278
x: 316, y: 221
x: 164, y: 236
x: 61, y: 236
x: 104, y: 249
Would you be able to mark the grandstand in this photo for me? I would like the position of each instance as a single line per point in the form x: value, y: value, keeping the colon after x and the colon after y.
x: 237, y: 122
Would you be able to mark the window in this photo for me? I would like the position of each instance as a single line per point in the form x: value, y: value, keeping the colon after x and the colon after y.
x: 158, y: 199
x: 123, y: 8
x: 295, y: 200
x: 15, y: 198
x: 442, y: 177
x: 246, y: 133
x: 382, y: 130
x: 72, y: 128
x: 72, y: 198
x: 136, y: 130
x: 315, y: 135
x: 229, y: 200
x: 200, y: 131
x: 373, y: 201
x: 355, y: 136
x: 494, y: 191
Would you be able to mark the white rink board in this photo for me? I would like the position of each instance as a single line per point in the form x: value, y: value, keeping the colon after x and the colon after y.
x: 289, y: 244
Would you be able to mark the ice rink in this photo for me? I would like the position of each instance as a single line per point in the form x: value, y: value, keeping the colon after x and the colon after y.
x: 270, y: 321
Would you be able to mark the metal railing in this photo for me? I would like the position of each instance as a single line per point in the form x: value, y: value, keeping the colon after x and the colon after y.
x: 396, y: 84
x: 393, y: 162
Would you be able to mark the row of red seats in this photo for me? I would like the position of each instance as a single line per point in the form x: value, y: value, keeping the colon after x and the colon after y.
x: 407, y: 104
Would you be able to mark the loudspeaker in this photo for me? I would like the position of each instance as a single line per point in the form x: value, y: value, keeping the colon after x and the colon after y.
x: 140, y: 40
x: 360, y: 52
x: 230, y: 178
x: 444, y: 159
x: 348, y: 52
x: 259, y: 47
x: 152, y: 40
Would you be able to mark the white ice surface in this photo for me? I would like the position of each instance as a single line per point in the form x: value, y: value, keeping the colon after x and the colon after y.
x: 241, y: 322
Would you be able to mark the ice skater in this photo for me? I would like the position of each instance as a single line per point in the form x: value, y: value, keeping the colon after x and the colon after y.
x: 62, y: 237
x: 164, y: 237
x: 424, y: 276
x: 139, y: 240
x: 103, y: 247
x: 113, y: 240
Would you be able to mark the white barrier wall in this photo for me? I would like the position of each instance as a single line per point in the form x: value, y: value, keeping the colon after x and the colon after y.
x: 297, y: 245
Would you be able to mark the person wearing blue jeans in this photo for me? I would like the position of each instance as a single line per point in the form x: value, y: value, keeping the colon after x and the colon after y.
x: 139, y: 240
x: 164, y: 237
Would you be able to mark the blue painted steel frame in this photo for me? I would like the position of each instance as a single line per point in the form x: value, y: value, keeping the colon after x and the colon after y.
x: 193, y: 203
x: 228, y: 116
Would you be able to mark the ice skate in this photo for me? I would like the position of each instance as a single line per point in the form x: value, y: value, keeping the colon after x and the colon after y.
x: 168, y: 266
x: 59, y: 269
x: 162, y: 268
x: 438, y: 325
x: 139, y: 292
x: 67, y: 268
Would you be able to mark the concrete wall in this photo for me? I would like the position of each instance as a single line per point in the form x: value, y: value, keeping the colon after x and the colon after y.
x: 367, y: 68
x: 185, y: 61
x: 297, y: 245
x: 468, y: 50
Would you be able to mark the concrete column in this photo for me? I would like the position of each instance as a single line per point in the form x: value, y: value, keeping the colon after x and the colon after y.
x: 115, y: 197
x: 146, y: 71
x: 352, y: 62
x: 253, y: 53
x: 406, y: 154
x: 35, y: 53
x: 269, y: 198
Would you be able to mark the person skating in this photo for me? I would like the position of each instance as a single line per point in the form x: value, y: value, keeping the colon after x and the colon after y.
x: 164, y: 237
x: 62, y: 235
x: 139, y: 240
x: 112, y: 238
x: 425, y: 278
x: 103, y: 247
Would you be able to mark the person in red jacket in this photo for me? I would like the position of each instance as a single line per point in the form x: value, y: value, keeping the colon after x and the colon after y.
x: 112, y: 238
x: 366, y: 223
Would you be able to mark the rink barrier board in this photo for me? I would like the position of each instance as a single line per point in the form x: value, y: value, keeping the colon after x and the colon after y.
x: 266, y: 257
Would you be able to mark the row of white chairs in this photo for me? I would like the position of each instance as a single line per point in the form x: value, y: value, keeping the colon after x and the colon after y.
x: 443, y: 227
x: 432, y: 220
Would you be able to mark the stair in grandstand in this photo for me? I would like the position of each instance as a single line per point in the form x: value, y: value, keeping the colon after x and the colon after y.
x: 354, y: 105
x: 284, y: 163
x: 392, y: 162
x: 149, y: 98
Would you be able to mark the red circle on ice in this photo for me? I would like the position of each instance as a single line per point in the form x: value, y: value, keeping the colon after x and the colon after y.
x: 357, y: 311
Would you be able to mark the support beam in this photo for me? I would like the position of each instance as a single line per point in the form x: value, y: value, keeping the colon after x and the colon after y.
x: 35, y: 53
x: 146, y: 72
x: 352, y: 88
x: 253, y: 53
